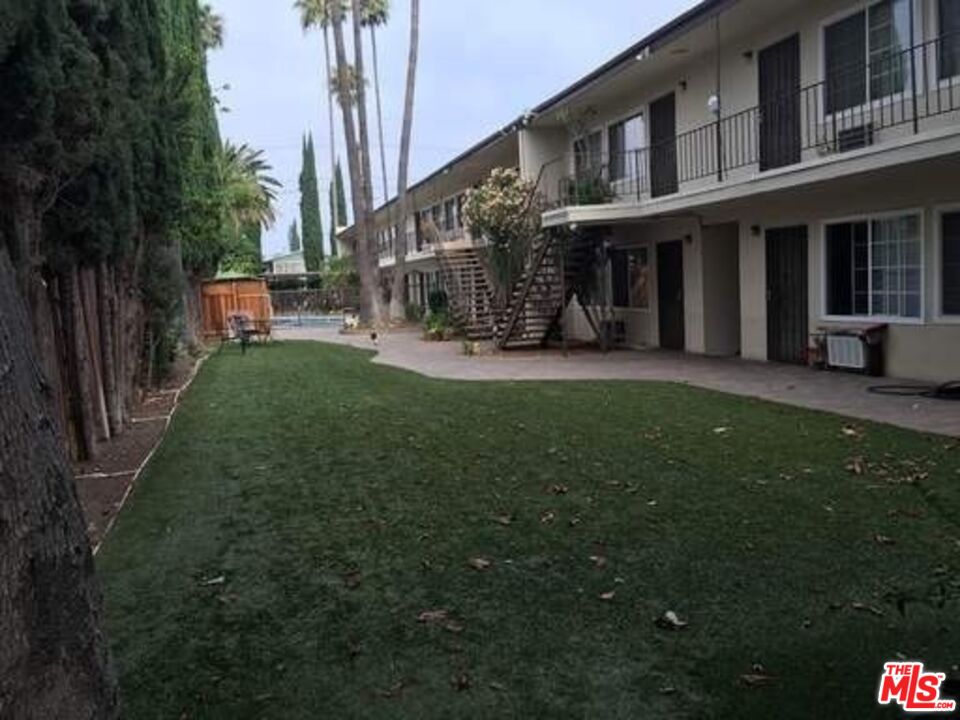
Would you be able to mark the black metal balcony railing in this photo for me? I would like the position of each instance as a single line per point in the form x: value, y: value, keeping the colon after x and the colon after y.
x: 844, y: 112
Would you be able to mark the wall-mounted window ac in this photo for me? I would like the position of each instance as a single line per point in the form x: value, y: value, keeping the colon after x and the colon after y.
x: 834, y: 139
x: 857, y: 350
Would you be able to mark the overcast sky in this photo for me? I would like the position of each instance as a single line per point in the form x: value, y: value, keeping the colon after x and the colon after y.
x: 482, y: 63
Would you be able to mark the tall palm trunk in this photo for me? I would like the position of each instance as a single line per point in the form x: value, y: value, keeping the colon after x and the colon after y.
x: 376, y: 85
x: 397, y: 299
x: 359, y: 164
x: 334, y: 220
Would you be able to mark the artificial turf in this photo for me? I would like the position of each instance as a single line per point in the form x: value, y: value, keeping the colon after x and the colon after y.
x: 308, y: 506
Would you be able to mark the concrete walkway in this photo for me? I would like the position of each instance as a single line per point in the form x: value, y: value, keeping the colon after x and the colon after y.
x: 839, y: 393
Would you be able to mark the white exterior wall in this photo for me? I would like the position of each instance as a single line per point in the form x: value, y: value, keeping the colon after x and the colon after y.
x: 928, y: 349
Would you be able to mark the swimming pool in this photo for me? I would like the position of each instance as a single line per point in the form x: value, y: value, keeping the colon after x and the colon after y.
x: 331, y: 321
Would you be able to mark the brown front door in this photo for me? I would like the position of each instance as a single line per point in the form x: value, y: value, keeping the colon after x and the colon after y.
x: 787, y: 308
x: 780, y: 104
x: 670, y: 295
x: 663, y: 146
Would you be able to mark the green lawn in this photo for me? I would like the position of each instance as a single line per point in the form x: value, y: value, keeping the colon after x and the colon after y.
x: 331, y: 501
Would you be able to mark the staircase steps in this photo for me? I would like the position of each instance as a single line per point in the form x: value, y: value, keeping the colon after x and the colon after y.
x: 544, y: 290
x: 468, y: 290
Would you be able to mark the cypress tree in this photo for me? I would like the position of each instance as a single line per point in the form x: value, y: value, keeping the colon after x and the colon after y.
x: 338, y: 195
x: 310, y: 220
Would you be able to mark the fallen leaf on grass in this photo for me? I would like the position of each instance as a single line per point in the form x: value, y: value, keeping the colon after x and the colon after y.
x: 432, y: 617
x: 721, y: 430
x: 498, y: 686
x: 214, y: 581
x: 852, y: 432
x: 608, y: 596
x: 460, y: 682
x: 479, y: 564
x: 599, y: 561
x: 670, y: 621
x: 668, y: 691
x: 352, y: 579
x: 504, y: 520
x: 559, y: 489
x: 863, y: 607
x: 547, y: 517
x: 856, y: 466
x: 394, y: 691
x: 883, y: 540
x: 754, y: 680
x: 453, y: 627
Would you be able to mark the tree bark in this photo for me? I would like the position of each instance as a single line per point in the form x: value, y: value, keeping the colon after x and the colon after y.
x: 376, y: 83
x: 335, y: 220
x: 107, y: 301
x: 359, y: 191
x: 397, y: 299
x: 53, y: 659
x: 77, y: 361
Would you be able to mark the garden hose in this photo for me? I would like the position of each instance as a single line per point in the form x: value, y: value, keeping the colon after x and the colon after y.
x: 947, y: 391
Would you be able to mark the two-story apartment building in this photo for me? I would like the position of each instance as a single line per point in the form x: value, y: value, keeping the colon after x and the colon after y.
x: 764, y: 170
x: 435, y: 223
x: 755, y: 173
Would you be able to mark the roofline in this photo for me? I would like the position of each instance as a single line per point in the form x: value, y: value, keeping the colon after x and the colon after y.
x: 507, y: 130
x: 657, y: 37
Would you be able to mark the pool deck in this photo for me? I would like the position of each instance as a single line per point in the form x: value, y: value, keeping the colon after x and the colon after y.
x: 839, y: 393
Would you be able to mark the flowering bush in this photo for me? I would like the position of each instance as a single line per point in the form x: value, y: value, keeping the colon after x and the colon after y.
x: 505, y: 211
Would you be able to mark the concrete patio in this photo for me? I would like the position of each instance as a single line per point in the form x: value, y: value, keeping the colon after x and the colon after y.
x: 839, y: 393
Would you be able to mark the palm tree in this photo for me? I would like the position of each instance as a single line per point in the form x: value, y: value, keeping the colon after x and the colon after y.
x: 251, y: 193
x: 211, y: 28
x: 374, y: 14
x: 317, y: 13
x: 351, y: 78
x: 400, y: 269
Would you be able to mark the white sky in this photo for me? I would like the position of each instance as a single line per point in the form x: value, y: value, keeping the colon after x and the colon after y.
x: 482, y: 63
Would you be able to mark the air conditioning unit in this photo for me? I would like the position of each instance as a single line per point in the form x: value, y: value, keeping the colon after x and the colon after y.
x: 846, y: 352
x: 832, y: 141
x: 857, y: 350
x: 855, y: 138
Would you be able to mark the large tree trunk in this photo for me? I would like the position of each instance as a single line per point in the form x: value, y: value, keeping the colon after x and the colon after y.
x: 397, y: 299
x: 53, y: 659
x: 107, y: 301
x: 370, y: 258
x: 79, y: 398
x: 359, y: 191
x: 376, y: 85
x: 335, y: 220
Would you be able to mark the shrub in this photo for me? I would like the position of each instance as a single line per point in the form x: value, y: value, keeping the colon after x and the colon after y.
x: 438, y: 302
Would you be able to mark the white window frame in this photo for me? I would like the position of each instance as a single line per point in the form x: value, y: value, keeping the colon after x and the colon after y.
x: 871, y: 103
x: 939, y: 315
x: 641, y: 111
x: 869, y: 218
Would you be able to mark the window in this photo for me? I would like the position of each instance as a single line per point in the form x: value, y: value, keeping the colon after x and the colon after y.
x: 626, y: 140
x: 875, y: 268
x: 949, y: 14
x: 865, y: 55
x: 631, y: 278
x: 449, y: 215
x: 950, y: 261
x: 588, y: 154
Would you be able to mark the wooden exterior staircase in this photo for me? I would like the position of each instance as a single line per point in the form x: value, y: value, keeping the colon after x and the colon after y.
x: 468, y: 289
x: 559, y: 267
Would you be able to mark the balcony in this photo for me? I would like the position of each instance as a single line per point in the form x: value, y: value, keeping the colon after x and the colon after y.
x: 857, y: 108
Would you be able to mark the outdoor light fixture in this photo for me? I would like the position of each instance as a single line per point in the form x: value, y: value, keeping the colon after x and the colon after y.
x: 643, y: 54
x: 756, y: 230
x: 713, y: 104
x: 683, y: 85
x: 574, y: 227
